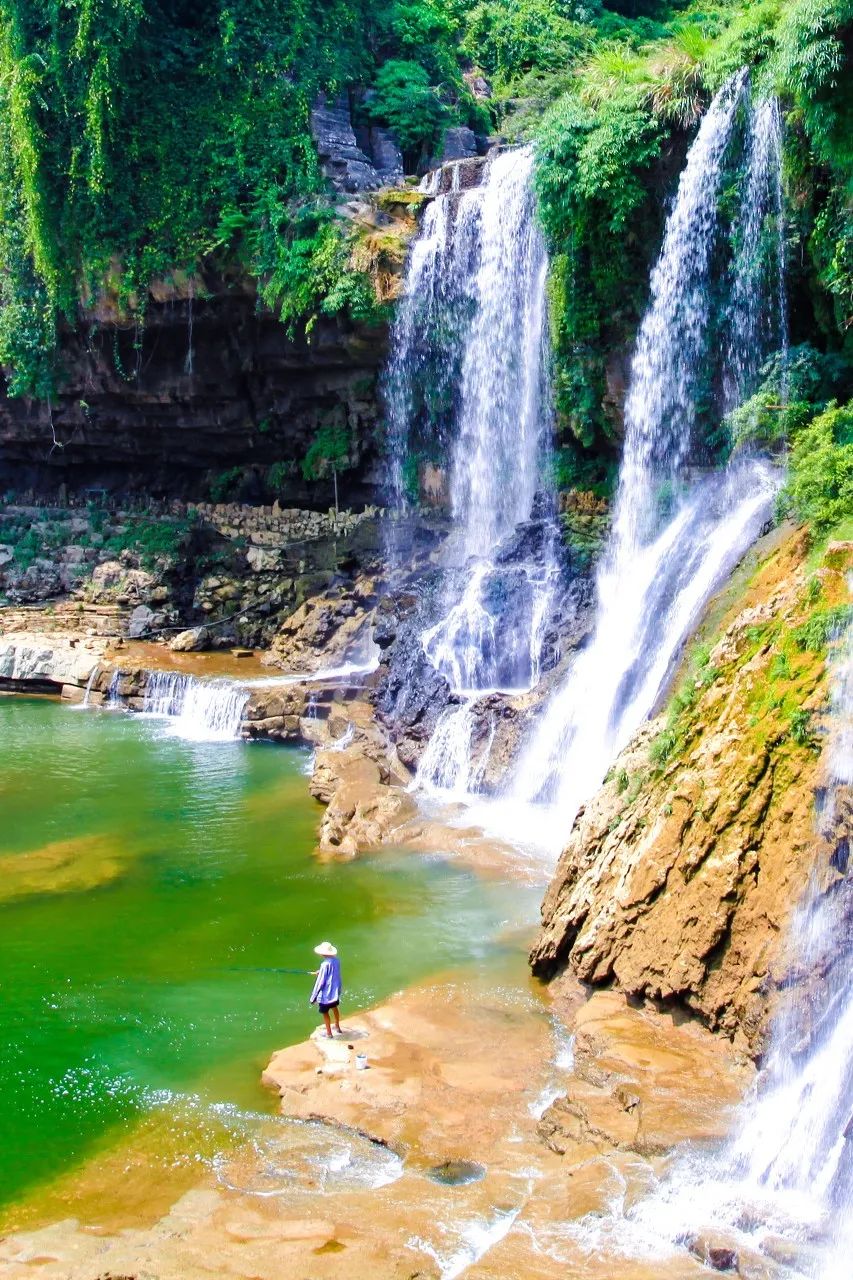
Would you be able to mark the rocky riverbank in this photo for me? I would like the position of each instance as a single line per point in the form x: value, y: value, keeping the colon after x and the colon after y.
x: 477, y: 1171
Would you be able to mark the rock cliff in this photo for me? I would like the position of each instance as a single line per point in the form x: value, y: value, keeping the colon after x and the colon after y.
x: 679, y: 877
x: 210, y: 381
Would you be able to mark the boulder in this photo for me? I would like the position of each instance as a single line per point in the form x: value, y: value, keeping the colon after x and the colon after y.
x: 263, y: 559
x: 343, y: 162
x: 143, y: 622
x: 195, y: 638
x: 386, y: 154
x: 460, y: 143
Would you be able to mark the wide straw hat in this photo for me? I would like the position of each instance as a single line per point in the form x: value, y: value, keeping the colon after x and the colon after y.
x: 325, y: 949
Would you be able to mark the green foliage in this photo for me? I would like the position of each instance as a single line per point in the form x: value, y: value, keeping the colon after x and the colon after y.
x: 799, y: 727
x: 138, y: 138
x: 820, y: 484
x: 592, y: 173
x: 223, y: 485
x: 511, y: 37
x: 278, y: 475
x: 153, y: 541
x: 822, y: 628
x: 790, y: 392
x: 328, y: 452
x: 670, y: 743
x: 406, y: 102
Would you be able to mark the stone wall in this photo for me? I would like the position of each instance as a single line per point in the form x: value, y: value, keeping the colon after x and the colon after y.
x: 276, y: 526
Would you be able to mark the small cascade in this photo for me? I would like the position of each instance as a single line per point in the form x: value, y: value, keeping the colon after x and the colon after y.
x: 200, y: 710
x: 674, y: 539
x: 452, y: 763
x: 114, y: 701
x: 469, y: 365
x: 92, y: 674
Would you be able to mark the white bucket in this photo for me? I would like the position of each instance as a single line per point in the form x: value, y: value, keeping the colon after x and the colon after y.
x: 361, y: 1062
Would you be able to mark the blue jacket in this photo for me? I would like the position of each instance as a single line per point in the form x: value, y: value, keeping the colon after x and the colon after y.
x: 327, y: 988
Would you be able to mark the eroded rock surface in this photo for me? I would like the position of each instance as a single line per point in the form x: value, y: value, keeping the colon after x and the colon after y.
x: 680, y: 876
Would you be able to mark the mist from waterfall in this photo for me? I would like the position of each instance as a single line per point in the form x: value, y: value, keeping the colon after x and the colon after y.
x: 674, y: 538
x: 471, y: 328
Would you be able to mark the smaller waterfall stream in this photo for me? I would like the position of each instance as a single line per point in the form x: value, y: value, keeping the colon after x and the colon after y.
x: 199, y: 710
x: 476, y: 278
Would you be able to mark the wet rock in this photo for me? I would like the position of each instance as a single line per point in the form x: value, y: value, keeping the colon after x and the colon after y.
x: 714, y: 1249
x: 195, y: 638
x: 677, y: 882
x: 456, y: 1173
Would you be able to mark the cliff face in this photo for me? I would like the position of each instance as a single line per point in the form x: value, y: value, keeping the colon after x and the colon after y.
x: 680, y: 876
x: 211, y: 381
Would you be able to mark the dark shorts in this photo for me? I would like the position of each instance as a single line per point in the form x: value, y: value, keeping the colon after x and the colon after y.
x: 324, y: 1008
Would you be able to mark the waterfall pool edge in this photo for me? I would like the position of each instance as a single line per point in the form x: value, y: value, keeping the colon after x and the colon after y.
x: 155, y: 883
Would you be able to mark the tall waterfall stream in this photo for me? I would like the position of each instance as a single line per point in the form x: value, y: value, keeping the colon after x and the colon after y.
x: 676, y: 535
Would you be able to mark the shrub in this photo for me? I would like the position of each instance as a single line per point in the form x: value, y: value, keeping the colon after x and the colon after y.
x: 820, y: 485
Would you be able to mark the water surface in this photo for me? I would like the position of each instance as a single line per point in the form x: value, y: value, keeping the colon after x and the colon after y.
x: 147, y: 885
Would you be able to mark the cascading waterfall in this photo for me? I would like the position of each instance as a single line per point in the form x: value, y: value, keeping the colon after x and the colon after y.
x: 788, y: 1170
x: 673, y: 542
x: 92, y: 674
x: 200, y: 710
x: 753, y: 331
x: 477, y: 278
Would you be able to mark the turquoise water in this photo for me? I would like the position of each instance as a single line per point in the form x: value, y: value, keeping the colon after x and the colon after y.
x: 146, y: 885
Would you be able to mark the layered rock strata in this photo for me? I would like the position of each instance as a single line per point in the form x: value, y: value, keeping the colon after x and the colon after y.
x: 681, y: 874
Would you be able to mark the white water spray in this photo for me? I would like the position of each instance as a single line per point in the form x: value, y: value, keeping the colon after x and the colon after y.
x: 673, y: 543
x: 199, y: 710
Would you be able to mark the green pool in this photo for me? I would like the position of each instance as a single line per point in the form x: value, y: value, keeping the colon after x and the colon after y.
x: 147, y: 884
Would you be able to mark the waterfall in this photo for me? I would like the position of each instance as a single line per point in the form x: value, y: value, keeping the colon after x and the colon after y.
x: 469, y: 365
x: 673, y: 540
x: 114, y: 701
x: 788, y: 1169
x: 754, y: 332
x: 200, y: 710
x: 95, y: 669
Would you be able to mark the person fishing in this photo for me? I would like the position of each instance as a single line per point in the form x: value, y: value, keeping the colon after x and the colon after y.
x: 327, y: 989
